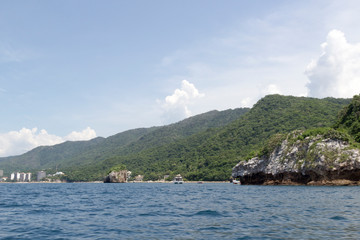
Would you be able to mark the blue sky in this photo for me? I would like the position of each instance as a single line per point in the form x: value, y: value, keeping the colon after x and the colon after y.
x: 73, y: 70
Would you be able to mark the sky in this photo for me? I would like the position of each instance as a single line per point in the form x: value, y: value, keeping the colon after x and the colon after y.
x: 75, y: 70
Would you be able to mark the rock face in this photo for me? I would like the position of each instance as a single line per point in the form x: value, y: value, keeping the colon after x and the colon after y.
x: 116, y: 177
x: 313, y: 161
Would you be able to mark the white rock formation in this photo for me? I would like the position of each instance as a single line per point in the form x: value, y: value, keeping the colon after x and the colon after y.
x: 303, y: 161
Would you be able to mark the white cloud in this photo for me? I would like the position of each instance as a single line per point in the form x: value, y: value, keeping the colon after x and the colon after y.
x: 18, y: 142
x: 248, y: 60
x: 271, y: 89
x: 336, y: 72
x: 247, y: 102
x: 176, y: 106
x: 85, y: 134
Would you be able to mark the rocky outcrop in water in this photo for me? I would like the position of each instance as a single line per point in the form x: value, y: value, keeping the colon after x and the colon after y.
x: 314, y: 160
x: 116, y: 177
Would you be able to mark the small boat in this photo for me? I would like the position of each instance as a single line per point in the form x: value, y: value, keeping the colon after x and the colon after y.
x: 178, y: 179
x: 236, y: 182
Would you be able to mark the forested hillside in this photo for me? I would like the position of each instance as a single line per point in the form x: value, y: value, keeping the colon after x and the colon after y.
x: 211, y: 154
x: 203, y: 147
x: 349, y: 118
x: 316, y: 156
x: 73, y: 155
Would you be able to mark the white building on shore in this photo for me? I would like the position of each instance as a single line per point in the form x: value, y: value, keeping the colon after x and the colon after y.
x: 40, y: 175
x: 20, y: 177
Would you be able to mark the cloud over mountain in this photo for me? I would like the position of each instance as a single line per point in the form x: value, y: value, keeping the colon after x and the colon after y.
x: 176, y: 106
x: 336, y: 72
x: 85, y: 134
x: 18, y: 142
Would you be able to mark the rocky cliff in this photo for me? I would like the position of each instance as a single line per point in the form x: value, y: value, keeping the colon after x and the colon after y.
x: 322, y: 159
x: 116, y: 177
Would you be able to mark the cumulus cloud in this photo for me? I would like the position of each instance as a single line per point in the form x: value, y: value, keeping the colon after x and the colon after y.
x: 336, y: 73
x: 271, y: 89
x: 18, y: 142
x: 176, y: 106
x: 85, y: 134
x: 256, y: 95
x: 247, y: 102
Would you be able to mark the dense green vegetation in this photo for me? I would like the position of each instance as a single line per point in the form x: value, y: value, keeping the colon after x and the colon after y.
x: 117, y: 168
x: 204, y: 147
x: 346, y: 128
x: 47, y: 157
x: 76, y: 157
x: 349, y: 118
x: 301, y: 139
x: 328, y: 132
x: 211, y: 154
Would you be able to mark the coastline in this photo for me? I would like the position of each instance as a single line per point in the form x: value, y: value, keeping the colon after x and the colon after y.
x: 337, y: 182
x: 168, y: 182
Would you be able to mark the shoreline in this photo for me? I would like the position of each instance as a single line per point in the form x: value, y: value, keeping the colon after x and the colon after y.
x: 335, y: 182
x: 169, y: 182
x: 338, y: 182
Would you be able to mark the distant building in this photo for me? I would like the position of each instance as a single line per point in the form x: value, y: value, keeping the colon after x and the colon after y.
x: 15, y: 176
x: 4, y: 179
x: 27, y: 177
x: 1, y: 173
x: 40, y: 175
x: 20, y: 177
x: 139, y: 178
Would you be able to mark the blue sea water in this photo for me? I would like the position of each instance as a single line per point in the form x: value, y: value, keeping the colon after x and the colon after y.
x: 169, y: 211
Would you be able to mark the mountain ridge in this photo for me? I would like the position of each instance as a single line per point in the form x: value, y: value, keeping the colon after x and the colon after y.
x: 203, y: 147
x: 211, y: 154
x: 38, y: 158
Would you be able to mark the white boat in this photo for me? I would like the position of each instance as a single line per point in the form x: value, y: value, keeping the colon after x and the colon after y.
x: 236, y: 182
x: 178, y: 179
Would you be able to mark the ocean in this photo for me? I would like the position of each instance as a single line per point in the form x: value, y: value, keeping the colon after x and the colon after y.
x: 172, y: 211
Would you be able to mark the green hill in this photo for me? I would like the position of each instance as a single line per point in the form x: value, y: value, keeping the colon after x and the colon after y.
x: 349, y: 118
x: 211, y: 154
x: 316, y: 156
x: 203, y: 147
x: 73, y: 155
x: 42, y: 157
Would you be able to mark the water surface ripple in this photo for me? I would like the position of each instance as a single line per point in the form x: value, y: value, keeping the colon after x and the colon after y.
x: 169, y: 211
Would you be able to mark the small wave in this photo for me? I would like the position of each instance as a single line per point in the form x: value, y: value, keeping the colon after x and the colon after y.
x: 149, y: 214
x: 213, y: 228
x: 209, y: 213
x: 338, y: 218
x: 15, y: 205
x: 36, y: 211
x: 169, y: 224
x: 245, y: 238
